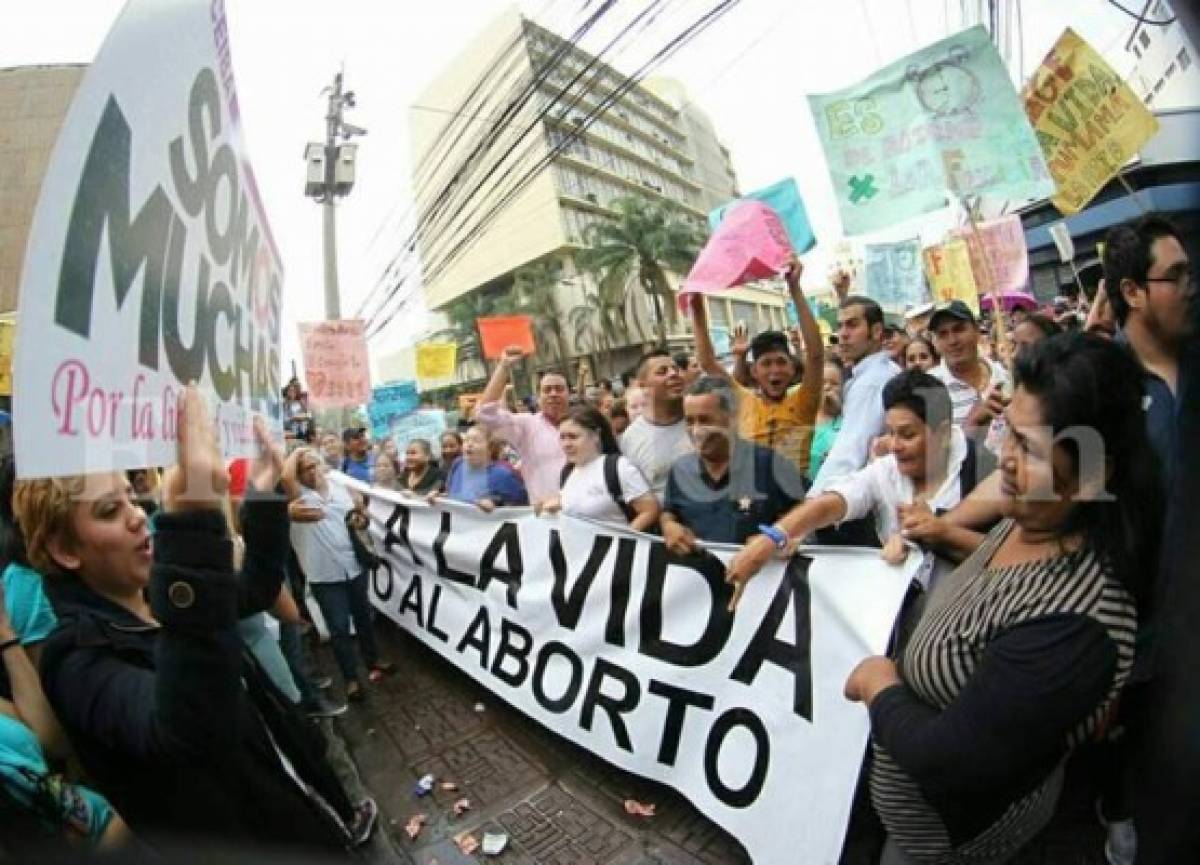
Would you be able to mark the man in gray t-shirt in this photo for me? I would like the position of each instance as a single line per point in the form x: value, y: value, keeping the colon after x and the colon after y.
x: 659, y: 436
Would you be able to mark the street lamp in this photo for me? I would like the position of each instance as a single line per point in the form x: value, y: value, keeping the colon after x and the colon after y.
x: 329, y: 176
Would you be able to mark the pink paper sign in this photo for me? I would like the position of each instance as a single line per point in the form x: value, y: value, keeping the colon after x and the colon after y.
x: 750, y: 243
x: 1004, y: 240
x: 335, y: 363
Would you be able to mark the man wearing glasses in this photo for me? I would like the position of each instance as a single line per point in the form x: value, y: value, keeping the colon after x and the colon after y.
x: 1149, y: 282
x: 1151, y: 288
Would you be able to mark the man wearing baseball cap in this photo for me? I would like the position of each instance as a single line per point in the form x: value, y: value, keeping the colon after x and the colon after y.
x: 976, y: 384
x: 358, y: 461
x: 774, y: 415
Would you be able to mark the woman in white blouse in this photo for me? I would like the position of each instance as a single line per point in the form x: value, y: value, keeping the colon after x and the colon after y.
x: 597, y: 481
x: 931, y: 466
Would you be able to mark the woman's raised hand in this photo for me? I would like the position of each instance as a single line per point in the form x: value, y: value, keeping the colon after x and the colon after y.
x: 199, y: 479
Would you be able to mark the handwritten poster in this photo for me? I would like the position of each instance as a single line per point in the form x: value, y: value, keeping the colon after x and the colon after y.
x: 151, y: 261
x: 389, y: 402
x: 436, y: 360
x: 1088, y: 121
x: 941, y: 122
x: 7, y: 331
x: 948, y: 266
x: 784, y: 198
x: 335, y: 363
x: 1007, y: 261
x: 895, y: 279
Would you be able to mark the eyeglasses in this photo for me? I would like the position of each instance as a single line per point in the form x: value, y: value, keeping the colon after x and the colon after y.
x: 1185, y: 280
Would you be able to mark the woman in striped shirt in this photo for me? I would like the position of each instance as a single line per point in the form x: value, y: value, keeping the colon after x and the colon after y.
x: 1022, y: 652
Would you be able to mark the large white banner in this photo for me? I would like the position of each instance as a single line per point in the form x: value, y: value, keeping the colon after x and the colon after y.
x: 605, y: 638
x: 150, y: 262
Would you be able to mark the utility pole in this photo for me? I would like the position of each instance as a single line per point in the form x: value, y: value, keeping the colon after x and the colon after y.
x: 331, y: 176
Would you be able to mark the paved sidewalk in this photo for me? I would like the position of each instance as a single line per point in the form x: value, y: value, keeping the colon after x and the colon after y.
x: 558, y: 804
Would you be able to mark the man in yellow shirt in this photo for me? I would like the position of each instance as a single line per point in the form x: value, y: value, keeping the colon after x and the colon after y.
x: 774, y: 414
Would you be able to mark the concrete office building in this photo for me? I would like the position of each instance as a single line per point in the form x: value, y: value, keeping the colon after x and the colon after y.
x: 652, y: 141
x: 33, y: 104
x: 1165, y: 72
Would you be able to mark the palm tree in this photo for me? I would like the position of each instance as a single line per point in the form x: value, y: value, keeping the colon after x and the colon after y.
x: 644, y: 241
x: 536, y: 288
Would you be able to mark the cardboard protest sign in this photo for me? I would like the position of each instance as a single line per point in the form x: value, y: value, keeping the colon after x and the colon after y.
x: 895, y: 279
x: 1088, y: 121
x: 335, y: 363
x: 7, y: 333
x: 396, y: 398
x: 436, y: 360
x: 784, y: 198
x: 151, y: 263
x: 627, y: 650
x: 948, y: 267
x: 501, y: 331
x: 749, y: 244
x: 1007, y: 259
x: 390, y: 402
x: 943, y: 120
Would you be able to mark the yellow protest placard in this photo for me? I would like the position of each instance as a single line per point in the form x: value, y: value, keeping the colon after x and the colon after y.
x: 1088, y: 121
x: 948, y: 267
x: 436, y: 360
x: 8, y: 330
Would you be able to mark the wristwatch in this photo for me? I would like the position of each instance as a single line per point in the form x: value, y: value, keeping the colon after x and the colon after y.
x: 777, y: 535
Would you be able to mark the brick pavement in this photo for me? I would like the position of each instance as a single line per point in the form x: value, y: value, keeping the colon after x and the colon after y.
x: 557, y: 803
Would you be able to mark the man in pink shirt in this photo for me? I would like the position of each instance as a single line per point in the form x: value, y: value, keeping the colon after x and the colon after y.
x: 535, y: 436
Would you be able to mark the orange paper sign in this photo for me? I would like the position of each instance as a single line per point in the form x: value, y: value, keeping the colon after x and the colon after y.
x: 501, y: 331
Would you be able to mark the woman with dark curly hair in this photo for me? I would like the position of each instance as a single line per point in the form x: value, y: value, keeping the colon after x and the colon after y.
x: 1023, y: 651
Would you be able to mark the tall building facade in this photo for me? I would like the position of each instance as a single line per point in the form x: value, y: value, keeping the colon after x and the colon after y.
x: 1165, y: 72
x: 652, y: 141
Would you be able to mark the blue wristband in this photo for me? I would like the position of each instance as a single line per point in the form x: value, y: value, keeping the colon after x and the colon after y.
x: 777, y: 536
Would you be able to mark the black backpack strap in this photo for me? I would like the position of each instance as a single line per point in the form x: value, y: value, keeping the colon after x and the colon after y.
x: 612, y: 480
x: 969, y: 472
x: 564, y: 474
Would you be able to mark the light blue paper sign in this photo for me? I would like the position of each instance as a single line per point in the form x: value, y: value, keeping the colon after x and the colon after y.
x: 895, y: 275
x: 428, y: 424
x: 388, y: 401
x: 784, y: 198
x: 720, y: 339
x: 793, y: 316
x: 939, y: 124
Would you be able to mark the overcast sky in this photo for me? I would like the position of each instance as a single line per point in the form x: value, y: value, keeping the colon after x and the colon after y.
x: 750, y: 72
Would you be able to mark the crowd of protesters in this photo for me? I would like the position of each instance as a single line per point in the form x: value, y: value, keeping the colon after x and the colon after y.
x: 152, y: 636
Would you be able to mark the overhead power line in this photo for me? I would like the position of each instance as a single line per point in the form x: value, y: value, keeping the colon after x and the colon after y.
x: 519, y: 95
x: 516, y: 187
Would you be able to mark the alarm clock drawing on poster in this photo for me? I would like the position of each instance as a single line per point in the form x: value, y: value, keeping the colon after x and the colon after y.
x: 946, y: 88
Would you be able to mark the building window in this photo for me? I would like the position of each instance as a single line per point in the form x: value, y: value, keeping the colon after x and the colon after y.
x: 1185, y: 59
x: 1144, y: 38
x: 718, y: 314
x: 745, y: 313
